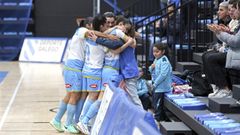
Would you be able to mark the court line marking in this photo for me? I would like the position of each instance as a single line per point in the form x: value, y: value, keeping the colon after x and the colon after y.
x: 12, y: 100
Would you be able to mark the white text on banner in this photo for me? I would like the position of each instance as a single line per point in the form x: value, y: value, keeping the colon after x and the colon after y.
x: 43, y: 49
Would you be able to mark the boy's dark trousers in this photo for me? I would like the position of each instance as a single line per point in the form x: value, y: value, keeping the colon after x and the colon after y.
x: 158, y: 105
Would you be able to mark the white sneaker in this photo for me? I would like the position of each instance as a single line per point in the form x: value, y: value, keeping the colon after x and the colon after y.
x: 215, y: 92
x: 83, y: 128
x: 215, y: 88
x: 223, y: 94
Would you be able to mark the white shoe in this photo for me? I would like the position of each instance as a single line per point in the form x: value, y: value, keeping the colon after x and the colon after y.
x: 83, y: 128
x: 214, y: 87
x: 211, y: 95
x: 223, y: 94
x: 215, y: 91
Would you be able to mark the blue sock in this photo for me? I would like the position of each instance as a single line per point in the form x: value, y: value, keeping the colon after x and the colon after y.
x: 78, y: 110
x: 86, y: 106
x: 61, y: 111
x: 70, y: 113
x: 93, y: 110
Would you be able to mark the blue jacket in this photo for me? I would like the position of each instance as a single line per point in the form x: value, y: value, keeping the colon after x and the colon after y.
x: 111, y: 44
x: 161, y: 75
x: 128, y: 63
x: 141, y: 87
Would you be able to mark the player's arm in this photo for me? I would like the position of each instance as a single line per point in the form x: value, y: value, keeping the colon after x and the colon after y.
x: 125, y: 38
x: 110, y: 30
x: 83, y: 32
x: 111, y: 44
x: 104, y: 35
x: 120, y: 49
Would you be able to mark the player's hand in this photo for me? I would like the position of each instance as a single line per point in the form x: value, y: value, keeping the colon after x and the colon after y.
x: 123, y: 85
x: 92, y: 36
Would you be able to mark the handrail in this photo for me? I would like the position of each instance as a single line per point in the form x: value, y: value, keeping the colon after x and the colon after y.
x: 115, y: 7
x: 141, y: 7
x: 146, y: 35
x: 152, y: 14
x: 160, y: 10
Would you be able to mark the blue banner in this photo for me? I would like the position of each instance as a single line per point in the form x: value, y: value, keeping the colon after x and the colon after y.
x: 124, y: 118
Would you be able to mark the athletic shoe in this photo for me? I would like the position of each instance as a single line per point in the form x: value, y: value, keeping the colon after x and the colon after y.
x: 212, y: 95
x: 223, y: 94
x: 83, y: 128
x: 71, y: 129
x: 57, y: 125
x: 214, y: 87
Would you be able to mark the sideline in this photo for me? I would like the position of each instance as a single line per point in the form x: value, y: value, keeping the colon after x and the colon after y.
x: 12, y: 100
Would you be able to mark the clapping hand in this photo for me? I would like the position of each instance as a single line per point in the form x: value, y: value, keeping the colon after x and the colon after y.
x: 224, y: 28
x: 214, y: 28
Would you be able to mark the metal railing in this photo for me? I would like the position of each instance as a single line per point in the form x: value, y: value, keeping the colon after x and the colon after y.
x: 177, y: 36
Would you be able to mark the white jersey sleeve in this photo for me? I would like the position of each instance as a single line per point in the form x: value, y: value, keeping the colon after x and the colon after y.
x: 76, y: 50
x: 120, y: 34
x: 81, y: 32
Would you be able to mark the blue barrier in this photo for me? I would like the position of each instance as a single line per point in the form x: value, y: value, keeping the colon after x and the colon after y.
x: 122, y: 117
x: 148, y: 130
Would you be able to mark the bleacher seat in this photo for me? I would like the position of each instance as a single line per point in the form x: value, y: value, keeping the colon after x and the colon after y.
x: 13, y: 25
x: 174, y: 128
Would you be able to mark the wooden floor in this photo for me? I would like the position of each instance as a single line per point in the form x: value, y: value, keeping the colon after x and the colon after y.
x: 29, y: 95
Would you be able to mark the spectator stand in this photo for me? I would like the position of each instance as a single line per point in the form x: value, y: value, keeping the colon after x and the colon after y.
x: 204, y: 15
x: 188, y: 116
x: 150, y: 35
x: 14, y: 19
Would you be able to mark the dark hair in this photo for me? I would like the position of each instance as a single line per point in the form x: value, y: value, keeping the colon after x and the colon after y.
x: 235, y: 3
x: 131, y: 31
x: 84, y: 22
x: 163, y: 46
x: 98, y: 21
x: 109, y: 14
x: 120, y: 18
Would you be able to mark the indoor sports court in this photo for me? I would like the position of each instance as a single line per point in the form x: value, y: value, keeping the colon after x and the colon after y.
x: 120, y: 67
x: 29, y: 97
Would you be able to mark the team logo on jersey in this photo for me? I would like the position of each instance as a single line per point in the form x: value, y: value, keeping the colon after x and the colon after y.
x: 105, y: 84
x: 68, y: 85
x: 93, y: 86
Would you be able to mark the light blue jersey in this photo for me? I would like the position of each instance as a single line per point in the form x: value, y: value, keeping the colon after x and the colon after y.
x: 92, y: 69
x: 111, y: 63
x: 111, y: 59
x: 76, y: 50
x: 75, y: 60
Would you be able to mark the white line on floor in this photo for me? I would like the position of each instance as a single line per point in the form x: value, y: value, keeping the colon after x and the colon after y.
x: 12, y: 100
